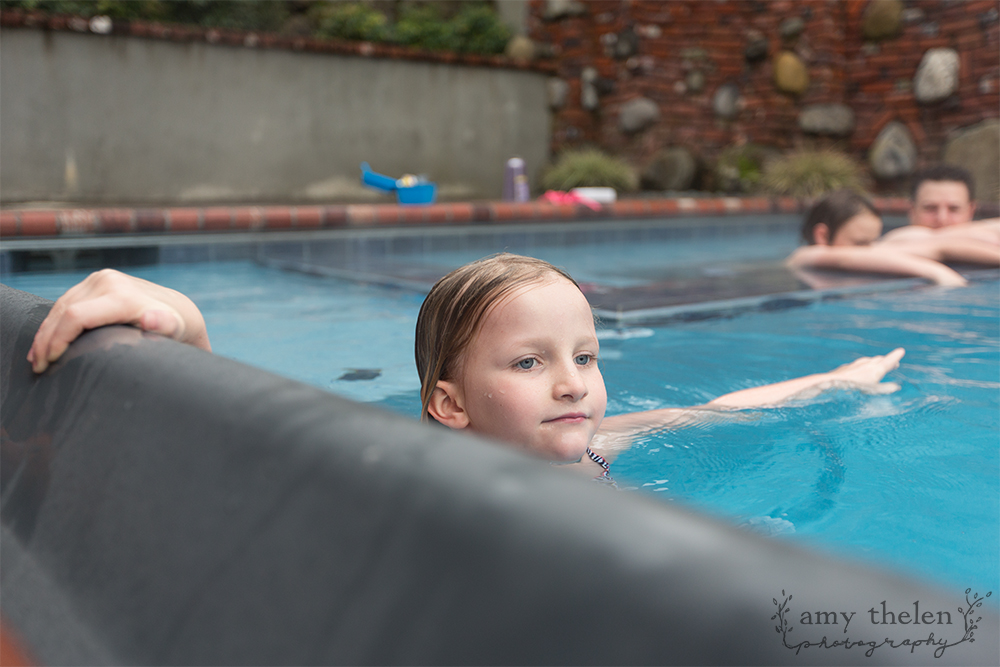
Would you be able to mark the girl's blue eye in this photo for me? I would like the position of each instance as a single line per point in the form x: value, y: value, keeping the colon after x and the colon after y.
x: 583, y: 359
x: 526, y: 364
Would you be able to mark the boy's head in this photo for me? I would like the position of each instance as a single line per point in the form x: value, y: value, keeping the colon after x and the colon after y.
x: 506, y: 347
x: 942, y: 195
x: 842, y: 218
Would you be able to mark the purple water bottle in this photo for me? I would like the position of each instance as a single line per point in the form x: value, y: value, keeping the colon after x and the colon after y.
x: 515, y: 182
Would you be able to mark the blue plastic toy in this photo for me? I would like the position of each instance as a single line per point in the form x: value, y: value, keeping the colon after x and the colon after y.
x: 409, y: 190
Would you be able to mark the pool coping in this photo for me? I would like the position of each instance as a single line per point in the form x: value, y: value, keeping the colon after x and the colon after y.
x: 83, y: 223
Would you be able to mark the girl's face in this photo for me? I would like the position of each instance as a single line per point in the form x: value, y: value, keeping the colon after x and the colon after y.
x: 862, y: 229
x: 530, y: 375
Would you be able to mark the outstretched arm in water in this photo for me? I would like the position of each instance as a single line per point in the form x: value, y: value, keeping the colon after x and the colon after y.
x: 863, y: 374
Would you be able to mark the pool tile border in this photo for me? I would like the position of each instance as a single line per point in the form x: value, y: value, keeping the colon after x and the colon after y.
x: 75, y: 222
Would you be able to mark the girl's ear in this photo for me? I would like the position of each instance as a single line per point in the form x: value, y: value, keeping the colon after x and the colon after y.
x: 821, y: 234
x: 446, y: 405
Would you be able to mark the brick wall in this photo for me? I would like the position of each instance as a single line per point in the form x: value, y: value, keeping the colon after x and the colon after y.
x: 679, y: 37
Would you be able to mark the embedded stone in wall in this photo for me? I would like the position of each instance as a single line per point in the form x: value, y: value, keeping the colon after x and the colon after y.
x: 790, y: 74
x: 977, y: 148
x: 638, y: 114
x: 791, y: 28
x: 882, y: 19
x: 557, y: 9
x: 558, y: 91
x: 627, y: 44
x: 987, y: 18
x: 835, y: 120
x: 694, y: 81
x: 588, y: 88
x: 670, y: 169
x: 545, y: 50
x: 937, y: 75
x: 726, y: 102
x: 756, y: 48
x: 520, y: 48
x: 893, y: 154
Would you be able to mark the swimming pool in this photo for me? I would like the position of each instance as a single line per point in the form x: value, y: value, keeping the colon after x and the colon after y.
x: 908, y: 480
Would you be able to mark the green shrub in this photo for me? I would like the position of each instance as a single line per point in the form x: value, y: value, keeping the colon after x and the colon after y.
x: 813, y: 173
x: 589, y: 168
x: 479, y: 30
x: 464, y: 27
x: 423, y: 27
x: 116, y: 9
x: 353, y: 20
x: 260, y: 15
x: 475, y: 28
x: 740, y: 168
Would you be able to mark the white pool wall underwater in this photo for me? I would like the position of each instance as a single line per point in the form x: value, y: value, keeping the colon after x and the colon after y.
x: 161, y: 505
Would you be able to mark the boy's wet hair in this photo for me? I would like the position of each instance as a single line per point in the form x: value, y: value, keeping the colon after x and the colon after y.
x: 456, y: 306
x: 833, y: 211
x: 943, y: 172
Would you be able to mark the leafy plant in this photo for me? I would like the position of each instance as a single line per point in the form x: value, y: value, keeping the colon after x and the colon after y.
x: 116, y: 9
x: 422, y: 26
x: 465, y: 27
x: 353, y: 20
x: 740, y: 168
x: 475, y: 28
x: 479, y: 30
x: 813, y: 173
x: 589, y: 168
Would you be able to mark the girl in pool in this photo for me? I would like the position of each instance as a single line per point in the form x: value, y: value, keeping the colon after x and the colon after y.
x: 843, y: 232
x: 506, y: 348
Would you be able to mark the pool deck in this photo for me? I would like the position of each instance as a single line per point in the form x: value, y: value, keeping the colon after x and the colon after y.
x: 59, y: 222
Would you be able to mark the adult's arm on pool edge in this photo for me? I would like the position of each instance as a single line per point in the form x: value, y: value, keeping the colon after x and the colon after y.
x: 946, y: 248
x: 875, y: 259
x: 111, y: 297
x: 864, y: 374
x: 986, y: 231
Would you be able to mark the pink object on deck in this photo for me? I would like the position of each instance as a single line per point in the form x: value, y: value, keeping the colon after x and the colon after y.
x: 559, y: 197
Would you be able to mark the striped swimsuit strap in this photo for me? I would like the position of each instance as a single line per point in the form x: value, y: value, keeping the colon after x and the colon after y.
x: 599, y: 460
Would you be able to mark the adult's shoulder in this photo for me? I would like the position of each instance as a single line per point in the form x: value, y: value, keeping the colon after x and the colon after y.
x: 906, y: 233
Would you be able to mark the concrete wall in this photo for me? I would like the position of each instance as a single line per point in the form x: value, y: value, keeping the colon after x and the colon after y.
x: 114, y: 119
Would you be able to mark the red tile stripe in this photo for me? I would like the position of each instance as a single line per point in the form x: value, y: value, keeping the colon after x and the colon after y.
x: 215, y: 219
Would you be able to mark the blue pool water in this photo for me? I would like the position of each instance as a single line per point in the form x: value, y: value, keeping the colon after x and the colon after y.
x: 908, y: 480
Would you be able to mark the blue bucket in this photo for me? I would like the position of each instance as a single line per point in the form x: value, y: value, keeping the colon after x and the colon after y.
x: 421, y: 193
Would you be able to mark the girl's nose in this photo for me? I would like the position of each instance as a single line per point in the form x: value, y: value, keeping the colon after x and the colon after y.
x: 570, y: 384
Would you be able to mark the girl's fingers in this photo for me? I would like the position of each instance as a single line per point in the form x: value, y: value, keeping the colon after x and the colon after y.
x: 61, y: 328
x: 880, y: 388
x: 166, y: 322
x: 111, y: 297
x: 894, y: 356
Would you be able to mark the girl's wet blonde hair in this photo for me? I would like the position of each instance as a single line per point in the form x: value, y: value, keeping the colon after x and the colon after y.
x: 456, y: 306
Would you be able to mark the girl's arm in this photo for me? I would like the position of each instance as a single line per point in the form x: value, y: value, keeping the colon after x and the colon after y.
x: 892, y: 259
x: 864, y: 374
x: 109, y: 297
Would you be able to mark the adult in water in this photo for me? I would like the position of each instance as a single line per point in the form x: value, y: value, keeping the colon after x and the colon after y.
x: 843, y: 233
x: 943, y: 206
